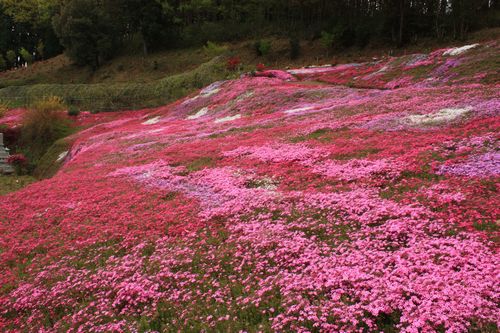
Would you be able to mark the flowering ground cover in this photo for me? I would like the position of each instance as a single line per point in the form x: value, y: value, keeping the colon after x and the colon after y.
x: 294, y: 201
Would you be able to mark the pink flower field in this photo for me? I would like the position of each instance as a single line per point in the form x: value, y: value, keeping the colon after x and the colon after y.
x: 354, y: 198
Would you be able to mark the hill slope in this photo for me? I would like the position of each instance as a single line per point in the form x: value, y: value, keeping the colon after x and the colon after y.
x: 282, y: 202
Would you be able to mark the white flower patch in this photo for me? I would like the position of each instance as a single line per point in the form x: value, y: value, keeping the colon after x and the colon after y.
x: 305, y: 108
x: 311, y: 69
x: 459, y: 50
x: 152, y: 121
x: 198, y: 114
x: 228, y: 118
x: 265, y: 183
x: 62, y: 156
x: 380, y: 71
x: 212, y: 89
x: 443, y: 115
x: 155, y: 131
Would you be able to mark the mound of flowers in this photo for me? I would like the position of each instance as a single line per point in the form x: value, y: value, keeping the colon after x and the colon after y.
x: 271, y: 204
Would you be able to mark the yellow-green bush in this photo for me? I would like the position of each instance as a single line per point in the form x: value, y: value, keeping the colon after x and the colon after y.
x: 4, y: 107
x: 49, y: 104
x: 213, y: 49
x: 42, y: 125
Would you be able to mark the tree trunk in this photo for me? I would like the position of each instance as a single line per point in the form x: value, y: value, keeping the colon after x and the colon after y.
x: 401, y: 21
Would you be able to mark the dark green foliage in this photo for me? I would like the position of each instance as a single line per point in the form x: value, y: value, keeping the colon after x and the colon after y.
x: 11, y: 57
x: 73, y: 111
x: 294, y: 48
x: 3, y: 63
x: 26, y: 55
x: 262, y: 47
x: 153, y: 22
x: 92, y: 31
x: 89, y: 33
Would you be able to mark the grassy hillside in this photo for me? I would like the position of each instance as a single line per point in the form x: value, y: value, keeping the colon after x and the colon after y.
x: 115, y: 96
x: 134, y: 81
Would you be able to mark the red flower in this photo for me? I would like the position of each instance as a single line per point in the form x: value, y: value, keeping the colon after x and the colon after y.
x: 260, y: 67
x: 233, y: 63
x: 17, y: 160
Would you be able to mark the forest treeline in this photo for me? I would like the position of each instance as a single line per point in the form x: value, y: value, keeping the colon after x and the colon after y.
x: 92, y: 31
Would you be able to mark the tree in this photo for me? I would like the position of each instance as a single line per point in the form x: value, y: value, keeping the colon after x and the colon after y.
x: 327, y: 40
x: 11, y: 58
x: 24, y: 22
x: 151, y: 20
x: 88, y: 31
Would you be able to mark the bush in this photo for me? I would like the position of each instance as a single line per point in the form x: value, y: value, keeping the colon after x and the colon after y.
x: 42, y: 125
x: 4, y: 107
x: 233, y: 63
x: 213, y: 49
x: 11, y: 58
x: 260, y: 67
x: 49, y: 104
x: 73, y: 111
x: 262, y: 47
x: 19, y: 162
x: 26, y: 55
x: 294, y: 48
x: 327, y: 39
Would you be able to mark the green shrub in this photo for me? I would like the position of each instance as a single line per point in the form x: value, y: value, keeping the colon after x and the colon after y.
x: 327, y: 39
x: 262, y: 47
x: 73, y: 111
x: 49, y: 104
x: 26, y: 55
x: 213, y: 49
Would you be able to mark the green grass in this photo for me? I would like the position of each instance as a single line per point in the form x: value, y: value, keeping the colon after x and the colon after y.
x: 12, y: 183
x: 323, y: 135
x: 49, y: 163
x: 200, y: 163
x: 358, y: 154
x: 116, y: 96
